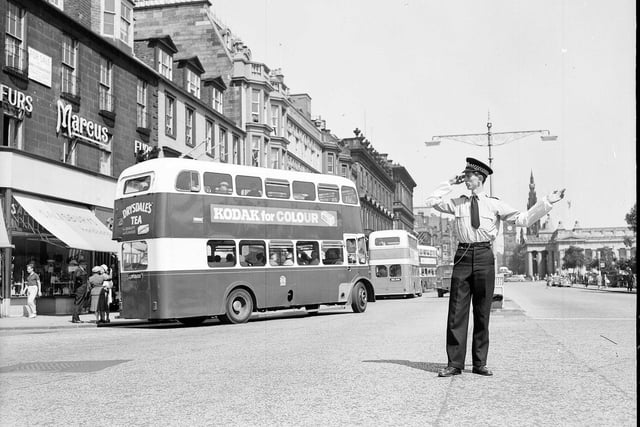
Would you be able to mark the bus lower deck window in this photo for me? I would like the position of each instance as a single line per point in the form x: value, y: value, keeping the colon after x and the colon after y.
x: 221, y: 253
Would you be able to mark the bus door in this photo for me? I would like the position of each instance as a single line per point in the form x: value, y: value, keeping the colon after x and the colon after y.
x: 356, y: 253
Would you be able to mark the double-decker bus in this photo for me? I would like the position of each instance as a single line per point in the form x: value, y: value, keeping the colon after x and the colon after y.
x: 393, y: 257
x: 428, y: 256
x: 201, y: 239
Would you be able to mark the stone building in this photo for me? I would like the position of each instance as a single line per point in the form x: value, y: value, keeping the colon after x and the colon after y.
x: 546, y: 251
x: 70, y: 91
x: 403, y: 198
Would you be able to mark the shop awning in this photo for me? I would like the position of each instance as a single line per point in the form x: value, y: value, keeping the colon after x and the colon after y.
x: 77, y: 227
x: 4, y: 237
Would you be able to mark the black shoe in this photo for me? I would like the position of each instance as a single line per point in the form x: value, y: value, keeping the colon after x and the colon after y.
x: 482, y: 370
x: 76, y: 321
x: 449, y: 371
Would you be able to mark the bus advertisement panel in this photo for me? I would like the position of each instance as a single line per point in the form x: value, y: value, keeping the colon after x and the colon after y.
x: 201, y: 239
x: 394, y: 263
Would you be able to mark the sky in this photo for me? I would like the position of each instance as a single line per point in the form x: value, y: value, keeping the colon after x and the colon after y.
x: 404, y: 71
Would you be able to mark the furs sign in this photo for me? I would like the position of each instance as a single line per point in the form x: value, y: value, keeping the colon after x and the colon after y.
x: 79, y: 127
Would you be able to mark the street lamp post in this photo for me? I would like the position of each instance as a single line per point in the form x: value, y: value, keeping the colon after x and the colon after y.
x: 493, y: 139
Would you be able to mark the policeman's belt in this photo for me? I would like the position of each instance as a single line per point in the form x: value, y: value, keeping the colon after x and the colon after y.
x: 474, y: 245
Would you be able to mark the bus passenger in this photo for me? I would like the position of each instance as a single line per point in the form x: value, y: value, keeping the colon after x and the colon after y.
x: 288, y: 260
x: 315, y: 260
x: 230, y: 259
x: 223, y: 188
x: 274, y: 259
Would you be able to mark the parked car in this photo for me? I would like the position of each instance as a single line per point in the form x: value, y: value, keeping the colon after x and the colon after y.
x: 515, y: 278
x: 560, y: 281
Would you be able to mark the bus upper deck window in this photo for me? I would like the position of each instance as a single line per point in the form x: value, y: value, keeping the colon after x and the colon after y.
x: 277, y: 188
x: 136, y: 185
x: 248, y: 186
x: 387, y: 241
x: 328, y: 193
x: 188, y: 181
x: 349, y: 195
x: 217, y: 183
x: 303, y: 190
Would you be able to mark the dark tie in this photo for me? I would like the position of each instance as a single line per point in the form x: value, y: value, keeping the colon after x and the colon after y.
x: 475, y: 215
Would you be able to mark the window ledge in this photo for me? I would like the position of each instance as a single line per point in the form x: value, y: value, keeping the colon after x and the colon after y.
x: 72, y: 98
x: 144, y: 131
x: 21, y: 74
x: 110, y: 115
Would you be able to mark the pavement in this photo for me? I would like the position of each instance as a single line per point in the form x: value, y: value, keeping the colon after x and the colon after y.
x: 89, y: 321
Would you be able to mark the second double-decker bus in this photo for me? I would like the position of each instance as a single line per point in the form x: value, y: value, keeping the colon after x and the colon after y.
x: 393, y: 256
x: 201, y: 239
x: 428, y: 256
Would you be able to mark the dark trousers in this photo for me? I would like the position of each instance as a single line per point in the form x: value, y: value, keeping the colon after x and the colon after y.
x: 472, y: 281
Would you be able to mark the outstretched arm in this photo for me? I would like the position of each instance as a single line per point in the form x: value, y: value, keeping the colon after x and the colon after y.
x: 537, y: 211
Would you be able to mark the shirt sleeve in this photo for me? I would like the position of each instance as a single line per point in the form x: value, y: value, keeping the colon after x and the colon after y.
x: 523, y: 219
x: 435, y: 199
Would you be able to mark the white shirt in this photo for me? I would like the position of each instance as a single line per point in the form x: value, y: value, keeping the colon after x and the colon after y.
x: 491, y: 211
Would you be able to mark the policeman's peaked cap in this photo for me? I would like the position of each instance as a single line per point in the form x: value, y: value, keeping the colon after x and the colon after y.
x: 475, y: 165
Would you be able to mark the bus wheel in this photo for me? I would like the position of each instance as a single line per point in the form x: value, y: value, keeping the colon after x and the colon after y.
x: 192, y: 321
x: 359, y: 298
x: 239, y: 306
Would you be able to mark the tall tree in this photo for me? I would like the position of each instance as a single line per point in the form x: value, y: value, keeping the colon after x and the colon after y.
x: 631, y: 218
x: 573, y: 257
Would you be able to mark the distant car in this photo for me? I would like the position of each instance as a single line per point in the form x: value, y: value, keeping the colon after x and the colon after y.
x: 515, y: 278
x: 560, y: 281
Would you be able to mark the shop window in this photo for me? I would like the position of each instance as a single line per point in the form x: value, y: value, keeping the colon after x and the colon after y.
x: 280, y: 253
x: 307, y: 253
x: 277, y: 188
x: 248, y: 186
x: 328, y: 193
x: 252, y: 253
x: 303, y: 190
x: 217, y: 183
x: 221, y: 253
x: 135, y: 256
x: 188, y: 181
x: 349, y: 195
x: 332, y: 253
x: 381, y: 271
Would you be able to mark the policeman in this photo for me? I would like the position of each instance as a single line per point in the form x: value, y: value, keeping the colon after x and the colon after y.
x: 477, y: 222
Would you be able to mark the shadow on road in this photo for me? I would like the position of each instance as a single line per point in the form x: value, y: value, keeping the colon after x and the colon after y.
x: 423, y: 366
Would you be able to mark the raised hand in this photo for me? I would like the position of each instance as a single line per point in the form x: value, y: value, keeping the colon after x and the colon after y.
x: 556, y: 196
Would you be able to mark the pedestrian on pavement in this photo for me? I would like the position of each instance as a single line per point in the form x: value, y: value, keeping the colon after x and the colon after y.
x: 81, y: 291
x: 95, y: 283
x: 102, y: 310
x: 599, y: 280
x: 476, y: 223
x: 34, y: 289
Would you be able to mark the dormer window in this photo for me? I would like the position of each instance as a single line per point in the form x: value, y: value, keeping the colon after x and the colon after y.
x: 165, y: 64
x: 193, y: 83
x: 117, y: 19
x: 217, y: 99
